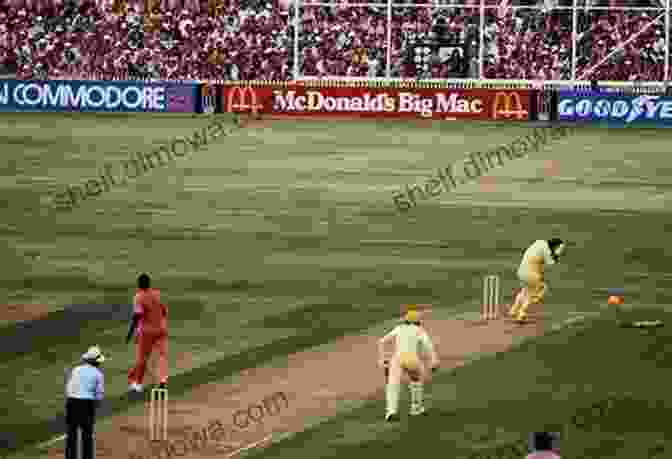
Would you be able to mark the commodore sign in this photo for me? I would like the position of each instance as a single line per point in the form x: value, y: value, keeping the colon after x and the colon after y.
x: 96, y: 96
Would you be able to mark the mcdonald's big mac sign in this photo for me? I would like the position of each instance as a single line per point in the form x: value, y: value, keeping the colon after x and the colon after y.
x: 433, y: 103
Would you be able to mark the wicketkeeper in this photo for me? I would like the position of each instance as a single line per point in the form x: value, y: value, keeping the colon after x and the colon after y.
x: 411, y: 344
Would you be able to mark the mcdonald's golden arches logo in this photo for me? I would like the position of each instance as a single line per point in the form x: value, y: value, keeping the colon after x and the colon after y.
x: 508, y: 105
x: 240, y: 104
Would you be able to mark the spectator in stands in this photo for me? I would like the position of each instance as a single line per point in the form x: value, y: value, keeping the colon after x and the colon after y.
x: 254, y: 39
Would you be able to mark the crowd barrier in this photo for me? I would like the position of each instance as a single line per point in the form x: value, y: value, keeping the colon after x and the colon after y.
x: 99, y: 96
x: 614, y: 109
x: 354, y: 99
x: 619, y: 105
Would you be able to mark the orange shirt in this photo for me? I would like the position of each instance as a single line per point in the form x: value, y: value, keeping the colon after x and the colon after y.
x: 153, y: 314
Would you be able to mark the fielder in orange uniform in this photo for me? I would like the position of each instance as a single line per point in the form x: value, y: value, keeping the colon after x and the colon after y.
x: 150, y: 327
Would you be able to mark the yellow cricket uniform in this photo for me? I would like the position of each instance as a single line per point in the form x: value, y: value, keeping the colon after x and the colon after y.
x: 531, y: 274
x: 411, y: 341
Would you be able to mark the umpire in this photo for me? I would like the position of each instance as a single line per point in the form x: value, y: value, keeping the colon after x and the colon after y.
x: 84, y: 391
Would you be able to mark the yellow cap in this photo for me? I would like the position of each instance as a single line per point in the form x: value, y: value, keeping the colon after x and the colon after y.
x: 412, y: 316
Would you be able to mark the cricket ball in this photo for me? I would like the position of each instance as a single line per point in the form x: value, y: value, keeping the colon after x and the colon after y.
x: 615, y: 299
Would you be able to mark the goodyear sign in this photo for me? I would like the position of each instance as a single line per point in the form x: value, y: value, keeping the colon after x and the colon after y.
x: 615, y: 108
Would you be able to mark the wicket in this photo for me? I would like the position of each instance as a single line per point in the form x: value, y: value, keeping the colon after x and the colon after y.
x: 158, y: 415
x: 491, y: 298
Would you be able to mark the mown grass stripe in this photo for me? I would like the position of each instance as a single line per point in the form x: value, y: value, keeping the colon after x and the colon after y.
x: 43, y: 430
x: 544, y: 383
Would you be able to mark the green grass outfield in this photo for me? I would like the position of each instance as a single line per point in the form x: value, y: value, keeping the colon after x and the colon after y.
x: 603, y: 388
x: 273, y: 240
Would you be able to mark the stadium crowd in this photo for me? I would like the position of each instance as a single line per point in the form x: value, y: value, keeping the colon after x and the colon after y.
x: 254, y: 39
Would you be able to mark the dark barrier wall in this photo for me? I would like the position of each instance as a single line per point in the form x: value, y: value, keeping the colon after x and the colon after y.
x: 207, y: 103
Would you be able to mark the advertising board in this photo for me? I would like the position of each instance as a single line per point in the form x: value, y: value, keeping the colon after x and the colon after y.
x: 379, y: 102
x: 615, y: 108
x: 97, y: 96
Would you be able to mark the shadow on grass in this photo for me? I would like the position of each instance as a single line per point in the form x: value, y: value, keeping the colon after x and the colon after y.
x: 343, y: 321
x: 604, y: 387
x: 65, y: 326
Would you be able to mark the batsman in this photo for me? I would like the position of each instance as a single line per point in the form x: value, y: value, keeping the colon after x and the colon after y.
x: 531, y: 272
x: 150, y: 327
x: 411, y: 343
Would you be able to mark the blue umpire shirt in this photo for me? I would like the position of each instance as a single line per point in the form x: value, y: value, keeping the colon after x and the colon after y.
x: 86, y: 382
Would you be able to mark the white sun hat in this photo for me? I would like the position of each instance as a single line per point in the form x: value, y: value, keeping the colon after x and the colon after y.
x: 94, y: 354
